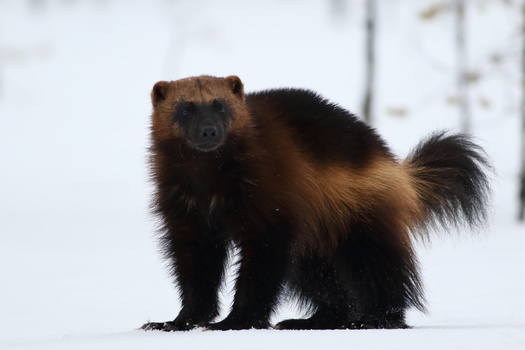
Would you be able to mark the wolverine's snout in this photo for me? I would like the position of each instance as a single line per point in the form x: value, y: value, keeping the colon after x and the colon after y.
x: 206, y: 132
x: 209, y: 133
x: 209, y: 138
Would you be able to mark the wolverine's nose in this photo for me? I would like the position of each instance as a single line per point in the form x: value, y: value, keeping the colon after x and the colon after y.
x: 207, y: 137
x: 209, y: 132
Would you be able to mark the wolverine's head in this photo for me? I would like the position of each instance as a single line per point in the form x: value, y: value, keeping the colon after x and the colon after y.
x: 199, y: 110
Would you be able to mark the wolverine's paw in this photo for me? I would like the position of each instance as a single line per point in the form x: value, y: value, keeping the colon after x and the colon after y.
x: 235, y: 324
x: 394, y: 320
x: 168, y: 326
x: 153, y: 326
x: 379, y: 324
x: 303, y: 324
x: 293, y: 324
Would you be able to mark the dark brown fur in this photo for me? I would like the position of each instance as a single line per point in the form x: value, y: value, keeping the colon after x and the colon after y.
x: 311, y: 196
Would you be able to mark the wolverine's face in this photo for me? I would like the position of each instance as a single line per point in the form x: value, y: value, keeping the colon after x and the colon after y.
x: 200, y: 111
x: 203, y: 125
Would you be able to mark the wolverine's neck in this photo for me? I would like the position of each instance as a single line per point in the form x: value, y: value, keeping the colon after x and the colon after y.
x: 189, y: 173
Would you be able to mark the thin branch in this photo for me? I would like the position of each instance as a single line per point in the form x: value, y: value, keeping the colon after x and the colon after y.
x: 462, y: 69
x: 521, y: 215
x: 370, y: 60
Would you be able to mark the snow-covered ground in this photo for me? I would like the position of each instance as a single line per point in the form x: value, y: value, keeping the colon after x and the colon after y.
x: 79, y: 267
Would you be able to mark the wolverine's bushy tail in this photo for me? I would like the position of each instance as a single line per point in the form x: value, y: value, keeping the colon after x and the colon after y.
x: 451, y: 176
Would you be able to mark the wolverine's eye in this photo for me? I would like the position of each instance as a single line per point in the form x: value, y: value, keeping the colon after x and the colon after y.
x: 186, y: 109
x: 183, y: 112
x: 219, y: 107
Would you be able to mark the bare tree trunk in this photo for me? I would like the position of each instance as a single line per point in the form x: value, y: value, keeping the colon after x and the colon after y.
x: 462, y: 69
x: 370, y: 60
x: 521, y: 215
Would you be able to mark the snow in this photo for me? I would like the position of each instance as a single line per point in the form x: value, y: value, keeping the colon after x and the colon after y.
x: 79, y: 267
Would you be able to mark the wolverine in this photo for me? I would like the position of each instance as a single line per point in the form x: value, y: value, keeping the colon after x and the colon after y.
x: 312, y: 199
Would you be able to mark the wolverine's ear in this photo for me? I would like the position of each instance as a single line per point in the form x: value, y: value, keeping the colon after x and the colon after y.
x: 236, y: 85
x: 160, y: 92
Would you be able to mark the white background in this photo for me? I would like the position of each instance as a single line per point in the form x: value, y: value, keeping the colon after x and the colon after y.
x: 79, y: 265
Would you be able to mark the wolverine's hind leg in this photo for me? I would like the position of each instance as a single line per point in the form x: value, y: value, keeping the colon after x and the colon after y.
x: 382, y: 275
x: 316, y: 283
x: 369, y: 282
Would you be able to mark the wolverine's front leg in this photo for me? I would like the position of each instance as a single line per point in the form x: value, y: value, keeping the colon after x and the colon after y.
x: 264, y: 261
x: 198, y: 257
